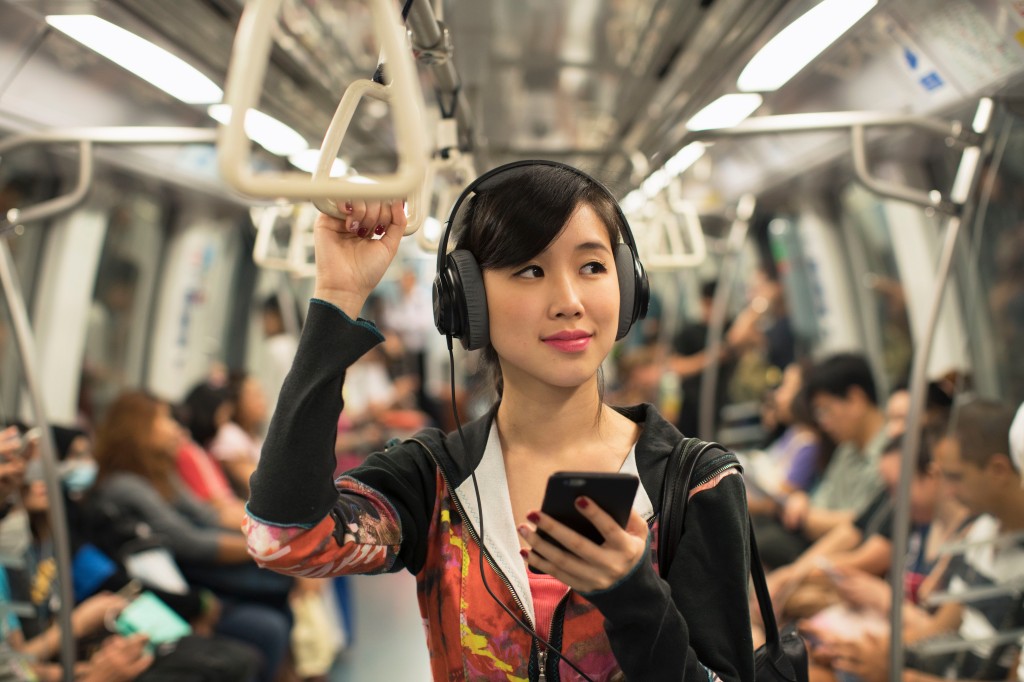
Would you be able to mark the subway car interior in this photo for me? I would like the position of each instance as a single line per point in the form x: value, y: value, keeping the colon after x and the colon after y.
x: 822, y: 194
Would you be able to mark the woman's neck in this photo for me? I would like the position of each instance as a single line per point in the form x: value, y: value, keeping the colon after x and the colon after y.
x: 552, y: 420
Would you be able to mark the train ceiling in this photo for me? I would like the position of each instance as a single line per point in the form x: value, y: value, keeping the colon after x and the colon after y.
x: 605, y: 84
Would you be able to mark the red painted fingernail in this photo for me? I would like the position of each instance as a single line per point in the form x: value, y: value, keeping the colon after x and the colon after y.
x: 582, y: 503
x: 379, y: 229
x: 533, y: 517
x: 348, y: 206
x: 362, y: 232
x: 524, y: 553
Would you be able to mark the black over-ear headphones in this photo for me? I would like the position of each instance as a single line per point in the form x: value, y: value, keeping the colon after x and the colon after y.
x: 460, y: 304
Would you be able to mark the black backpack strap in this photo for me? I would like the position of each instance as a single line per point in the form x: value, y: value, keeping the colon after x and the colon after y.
x: 675, y: 491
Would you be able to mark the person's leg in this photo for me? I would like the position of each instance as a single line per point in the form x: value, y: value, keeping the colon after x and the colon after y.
x: 266, y: 628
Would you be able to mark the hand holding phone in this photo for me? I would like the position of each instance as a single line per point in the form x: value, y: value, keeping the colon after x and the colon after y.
x: 15, y: 446
x: 612, y: 492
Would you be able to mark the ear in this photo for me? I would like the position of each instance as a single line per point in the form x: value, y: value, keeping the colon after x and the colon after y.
x: 1001, y: 465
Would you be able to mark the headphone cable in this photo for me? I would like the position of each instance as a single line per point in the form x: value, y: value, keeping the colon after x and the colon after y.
x: 479, y: 505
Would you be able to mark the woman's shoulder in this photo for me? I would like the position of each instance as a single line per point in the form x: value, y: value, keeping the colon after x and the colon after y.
x: 124, y: 484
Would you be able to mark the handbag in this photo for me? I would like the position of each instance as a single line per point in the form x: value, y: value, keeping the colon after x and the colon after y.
x: 783, y: 656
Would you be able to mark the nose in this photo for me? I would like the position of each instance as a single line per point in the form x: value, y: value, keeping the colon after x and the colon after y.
x: 566, y: 301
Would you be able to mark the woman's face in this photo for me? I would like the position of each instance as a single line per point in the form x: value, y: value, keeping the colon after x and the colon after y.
x: 252, y: 403
x: 554, y: 318
x: 166, y: 432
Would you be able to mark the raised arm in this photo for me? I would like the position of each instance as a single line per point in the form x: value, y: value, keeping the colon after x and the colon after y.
x: 300, y: 520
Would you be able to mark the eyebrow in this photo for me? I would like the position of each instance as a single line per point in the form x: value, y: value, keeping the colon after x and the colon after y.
x: 592, y: 246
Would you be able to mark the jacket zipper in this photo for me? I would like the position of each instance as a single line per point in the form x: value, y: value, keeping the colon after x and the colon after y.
x: 711, y: 477
x: 476, y: 538
x: 542, y: 654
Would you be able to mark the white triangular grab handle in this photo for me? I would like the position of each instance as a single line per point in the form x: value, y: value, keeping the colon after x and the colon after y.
x: 246, y: 73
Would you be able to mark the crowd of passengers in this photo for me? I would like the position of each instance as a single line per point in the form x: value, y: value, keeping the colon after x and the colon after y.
x: 155, y: 497
x: 154, y: 494
x: 821, y: 495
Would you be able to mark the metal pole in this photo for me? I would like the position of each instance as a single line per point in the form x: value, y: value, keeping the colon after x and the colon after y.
x: 832, y: 120
x: 47, y: 451
x: 427, y: 33
x: 719, y: 308
x: 962, y: 188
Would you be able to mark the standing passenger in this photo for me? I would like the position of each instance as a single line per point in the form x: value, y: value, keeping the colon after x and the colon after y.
x: 559, y: 289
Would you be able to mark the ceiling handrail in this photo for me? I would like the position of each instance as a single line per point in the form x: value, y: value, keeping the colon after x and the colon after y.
x: 249, y: 58
x: 57, y: 205
x: 933, y: 199
x: 86, y: 139
x: 955, y: 134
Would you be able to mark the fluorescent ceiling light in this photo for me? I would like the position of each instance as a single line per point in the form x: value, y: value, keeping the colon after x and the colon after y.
x: 660, y: 179
x: 308, y: 159
x: 146, y: 60
x: 266, y: 131
x: 799, y: 43
x: 684, y: 158
x: 633, y: 202
x: 725, y: 112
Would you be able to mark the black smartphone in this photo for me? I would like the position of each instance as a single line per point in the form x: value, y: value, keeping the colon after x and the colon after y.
x: 613, y: 493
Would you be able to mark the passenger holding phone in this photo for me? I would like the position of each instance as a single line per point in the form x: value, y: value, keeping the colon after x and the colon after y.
x: 542, y: 282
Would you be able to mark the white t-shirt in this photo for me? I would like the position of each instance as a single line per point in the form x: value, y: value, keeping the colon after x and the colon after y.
x: 985, y: 565
x: 232, y: 443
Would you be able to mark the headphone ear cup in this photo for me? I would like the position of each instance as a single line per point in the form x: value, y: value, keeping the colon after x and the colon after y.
x: 469, y: 300
x: 633, y: 289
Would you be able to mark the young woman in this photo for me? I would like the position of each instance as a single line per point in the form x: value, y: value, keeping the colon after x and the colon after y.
x: 544, y: 237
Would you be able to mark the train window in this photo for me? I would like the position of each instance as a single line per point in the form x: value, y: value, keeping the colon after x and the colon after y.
x: 118, y: 319
x: 996, y: 264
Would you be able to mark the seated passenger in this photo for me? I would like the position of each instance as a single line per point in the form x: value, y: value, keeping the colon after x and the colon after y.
x: 863, y: 597
x: 975, y: 460
x: 135, y: 448
x: 226, y: 420
x: 116, y: 659
x: 36, y: 583
x: 794, y: 460
x: 841, y: 390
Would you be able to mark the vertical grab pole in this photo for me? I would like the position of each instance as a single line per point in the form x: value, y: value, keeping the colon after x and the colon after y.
x: 58, y: 518
x: 963, y: 186
x: 719, y: 308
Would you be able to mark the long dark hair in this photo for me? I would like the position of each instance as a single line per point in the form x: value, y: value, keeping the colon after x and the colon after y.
x: 518, y: 215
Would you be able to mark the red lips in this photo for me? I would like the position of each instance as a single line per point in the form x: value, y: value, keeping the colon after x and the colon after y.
x: 568, y: 335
